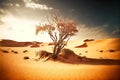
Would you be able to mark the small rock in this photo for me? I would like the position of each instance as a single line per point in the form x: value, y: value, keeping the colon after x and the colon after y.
x: 25, y: 51
x: 111, y: 50
x: 12, y: 51
x: 101, y: 50
x: 26, y: 57
x: 4, y: 51
x: 80, y: 53
x: 15, y: 52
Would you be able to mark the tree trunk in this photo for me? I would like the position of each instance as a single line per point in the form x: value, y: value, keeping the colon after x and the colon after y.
x: 56, y: 51
x: 54, y: 56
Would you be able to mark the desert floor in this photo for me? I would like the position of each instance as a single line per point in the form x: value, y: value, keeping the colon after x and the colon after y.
x: 14, y: 67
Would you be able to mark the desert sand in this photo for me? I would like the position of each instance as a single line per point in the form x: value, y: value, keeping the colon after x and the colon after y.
x: 14, y: 67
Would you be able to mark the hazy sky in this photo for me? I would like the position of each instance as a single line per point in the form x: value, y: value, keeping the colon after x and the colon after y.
x: 95, y: 18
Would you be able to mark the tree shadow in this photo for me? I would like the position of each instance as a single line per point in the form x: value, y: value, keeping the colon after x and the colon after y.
x: 69, y: 57
x: 91, y: 61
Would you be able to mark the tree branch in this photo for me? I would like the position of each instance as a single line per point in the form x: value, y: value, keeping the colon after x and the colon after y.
x: 52, y: 37
x: 56, y: 38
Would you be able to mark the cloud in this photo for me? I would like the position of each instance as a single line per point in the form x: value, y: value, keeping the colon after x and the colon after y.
x: 17, y: 5
x: 2, y: 12
x: 33, y: 5
x: 13, y: 4
x: 95, y: 32
x: 116, y: 31
x: 17, y: 28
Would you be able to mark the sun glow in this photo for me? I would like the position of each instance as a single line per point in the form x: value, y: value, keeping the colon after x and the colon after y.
x: 21, y: 30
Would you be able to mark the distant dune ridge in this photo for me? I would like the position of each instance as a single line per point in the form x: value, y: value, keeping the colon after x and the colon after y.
x: 81, y: 46
x: 113, y: 42
x: 88, y: 40
x: 11, y: 43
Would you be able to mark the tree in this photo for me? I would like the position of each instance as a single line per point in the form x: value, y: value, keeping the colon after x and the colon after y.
x: 60, y: 31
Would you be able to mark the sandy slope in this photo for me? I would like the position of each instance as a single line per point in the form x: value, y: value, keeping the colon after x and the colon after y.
x: 14, y: 67
x: 94, y: 48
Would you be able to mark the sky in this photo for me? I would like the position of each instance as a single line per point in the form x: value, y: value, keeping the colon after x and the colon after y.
x: 96, y: 19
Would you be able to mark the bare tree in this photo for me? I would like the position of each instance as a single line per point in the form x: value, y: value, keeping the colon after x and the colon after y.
x: 60, y: 31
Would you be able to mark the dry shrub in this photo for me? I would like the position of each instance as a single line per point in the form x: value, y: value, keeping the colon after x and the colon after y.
x: 43, y: 54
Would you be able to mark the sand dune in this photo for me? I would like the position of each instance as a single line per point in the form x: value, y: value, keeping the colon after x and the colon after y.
x: 14, y: 67
x: 12, y: 43
x: 107, y: 43
x: 100, y: 48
